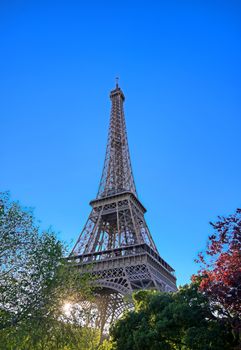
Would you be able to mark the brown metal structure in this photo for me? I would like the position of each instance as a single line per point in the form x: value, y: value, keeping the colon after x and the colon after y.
x: 116, y: 246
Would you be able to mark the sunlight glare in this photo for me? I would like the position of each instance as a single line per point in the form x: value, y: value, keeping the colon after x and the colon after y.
x: 67, y: 308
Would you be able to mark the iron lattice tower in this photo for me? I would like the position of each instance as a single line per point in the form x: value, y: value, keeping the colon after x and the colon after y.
x: 116, y: 246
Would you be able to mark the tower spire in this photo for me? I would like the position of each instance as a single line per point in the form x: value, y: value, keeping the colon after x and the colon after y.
x: 117, y: 173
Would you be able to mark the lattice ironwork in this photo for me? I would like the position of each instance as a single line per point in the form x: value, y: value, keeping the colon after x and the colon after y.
x: 114, y: 222
x: 117, y: 173
x: 116, y: 246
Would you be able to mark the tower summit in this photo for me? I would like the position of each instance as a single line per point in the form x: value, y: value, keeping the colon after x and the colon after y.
x: 115, y: 245
x: 117, y: 173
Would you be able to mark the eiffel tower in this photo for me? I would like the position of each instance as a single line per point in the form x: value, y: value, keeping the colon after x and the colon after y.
x: 115, y: 245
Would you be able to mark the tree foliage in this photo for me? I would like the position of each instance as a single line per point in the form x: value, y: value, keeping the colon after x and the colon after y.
x: 220, y: 273
x: 35, y: 284
x: 162, y: 321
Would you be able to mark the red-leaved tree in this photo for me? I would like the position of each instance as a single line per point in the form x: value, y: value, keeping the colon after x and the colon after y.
x: 220, y: 273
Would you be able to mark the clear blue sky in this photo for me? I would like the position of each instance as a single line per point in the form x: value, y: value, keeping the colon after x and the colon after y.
x: 180, y: 68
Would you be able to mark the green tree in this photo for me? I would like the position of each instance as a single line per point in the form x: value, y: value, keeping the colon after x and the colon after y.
x: 181, y: 320
x: 36, y: 282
